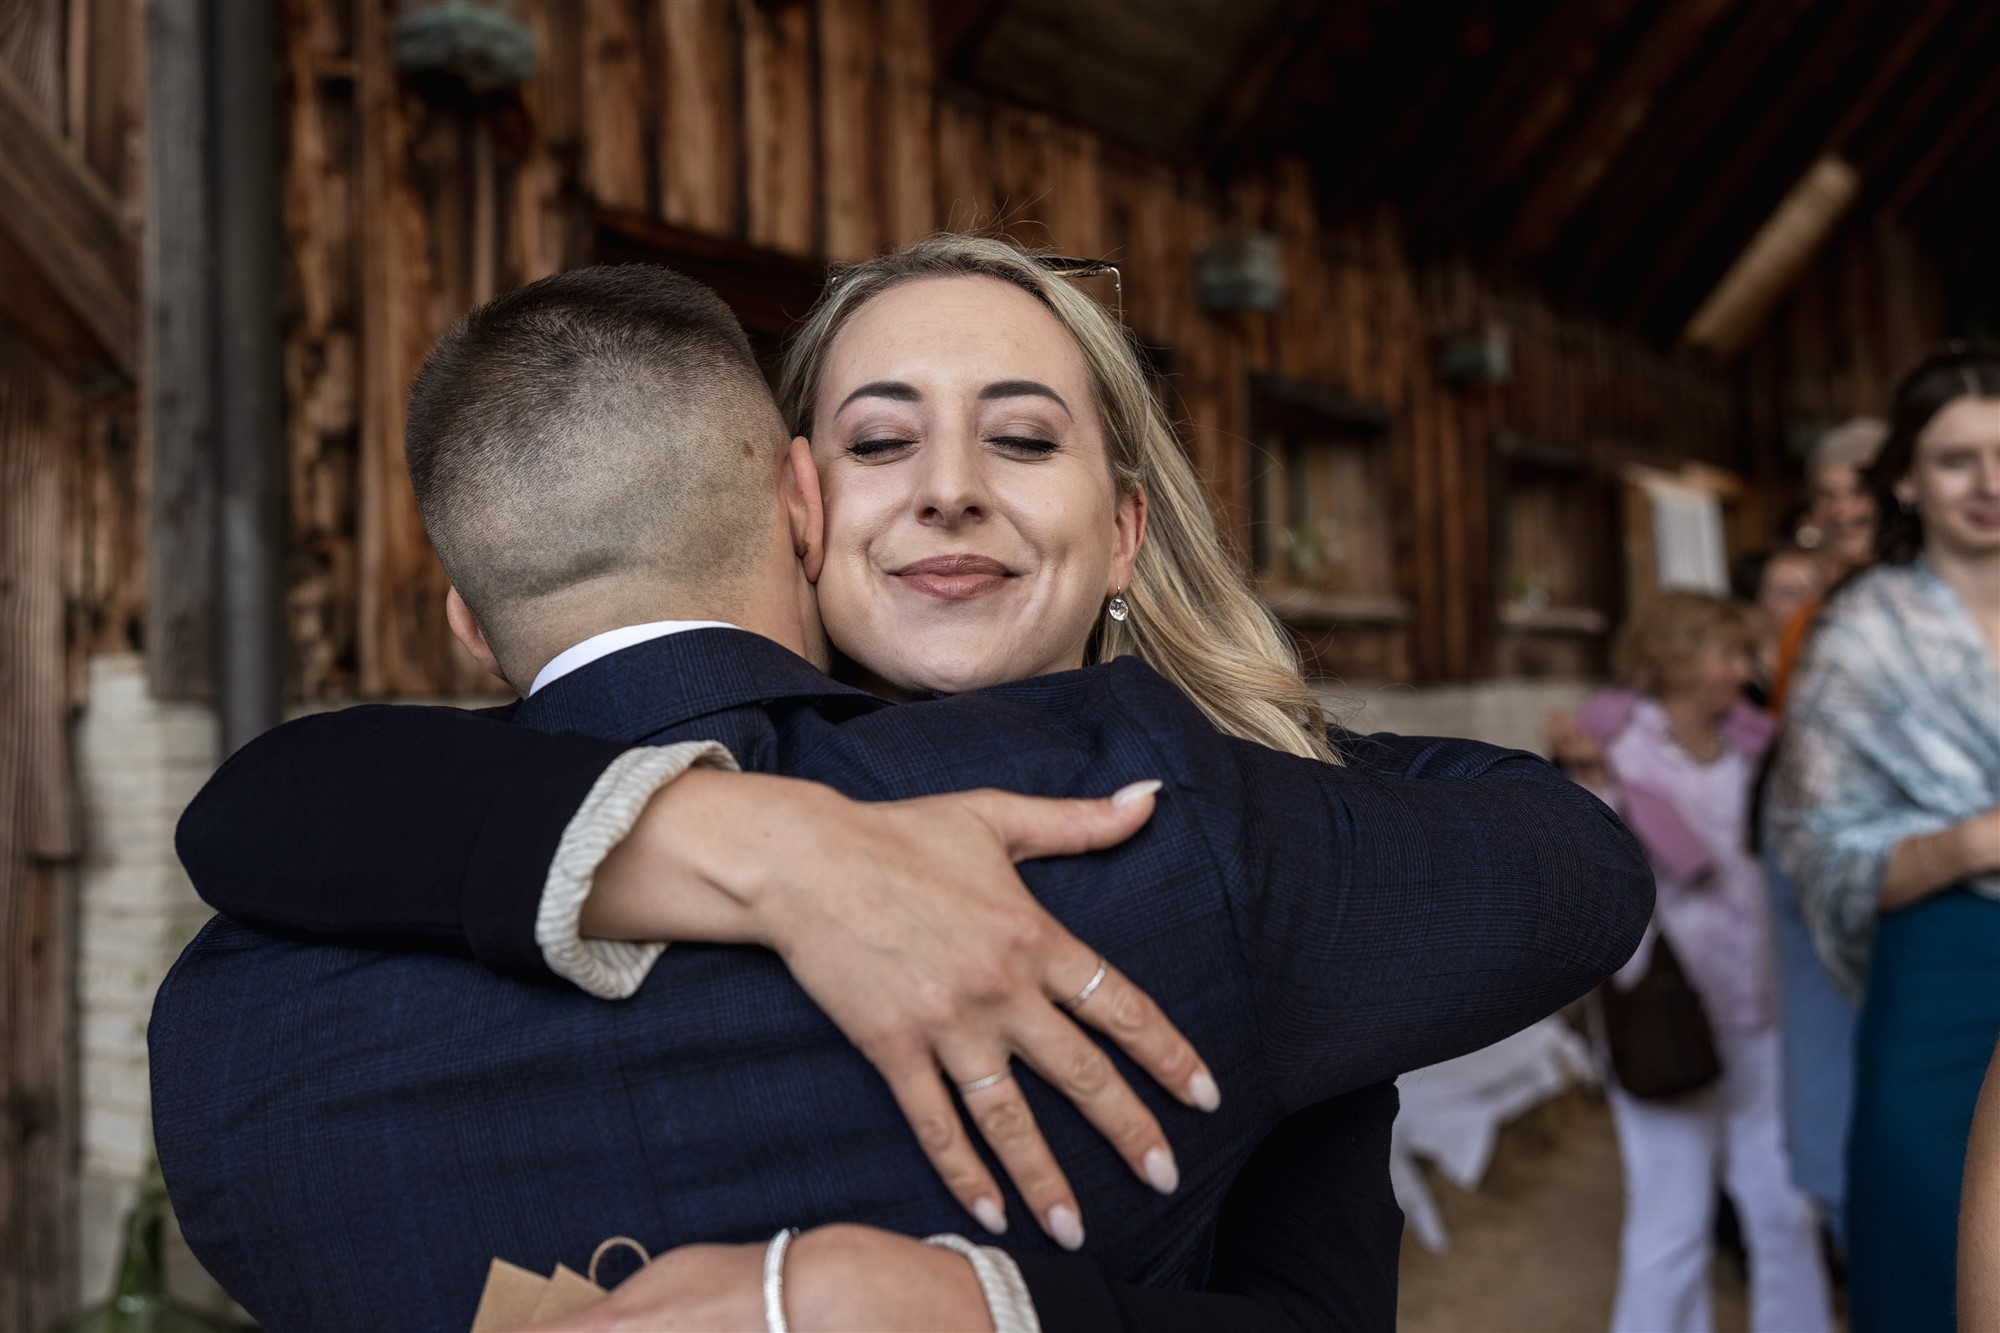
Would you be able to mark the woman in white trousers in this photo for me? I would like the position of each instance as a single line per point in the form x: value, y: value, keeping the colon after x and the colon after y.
x: 1677, y: 754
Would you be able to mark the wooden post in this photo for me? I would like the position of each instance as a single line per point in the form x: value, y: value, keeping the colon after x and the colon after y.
x: 179, y: 414
x: 38, y: 1101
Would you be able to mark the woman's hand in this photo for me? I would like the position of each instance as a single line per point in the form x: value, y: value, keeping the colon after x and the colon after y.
x: 836, y: 1277
x: 907, y: 923
x: 1921, y: 865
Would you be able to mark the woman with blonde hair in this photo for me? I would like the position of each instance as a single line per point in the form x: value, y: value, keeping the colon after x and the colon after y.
x: 1003, y: 500
x: 1680, y: 754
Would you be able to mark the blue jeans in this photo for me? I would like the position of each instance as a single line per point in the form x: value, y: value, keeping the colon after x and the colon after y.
x: 1816, y: 1036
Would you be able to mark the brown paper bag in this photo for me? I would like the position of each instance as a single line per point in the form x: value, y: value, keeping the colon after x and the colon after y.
x: 515, y: 1298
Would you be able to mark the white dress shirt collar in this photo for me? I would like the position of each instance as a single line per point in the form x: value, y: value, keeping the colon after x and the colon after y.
x: 611, y: 641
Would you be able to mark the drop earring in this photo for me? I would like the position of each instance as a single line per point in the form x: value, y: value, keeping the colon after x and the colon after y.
x: 1117, y: 609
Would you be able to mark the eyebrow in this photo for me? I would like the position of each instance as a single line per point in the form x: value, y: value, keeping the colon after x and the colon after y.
x: 1024, y: 389
x: 897, y: 391
x: 892, y: 389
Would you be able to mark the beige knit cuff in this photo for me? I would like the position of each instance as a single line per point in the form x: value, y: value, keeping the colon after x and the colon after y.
x: 1007, y: 1298
x: 609, y: 969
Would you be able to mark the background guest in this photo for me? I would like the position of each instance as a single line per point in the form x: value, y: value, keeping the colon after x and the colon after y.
x: 1885, y: 807
x: 1681, y: 751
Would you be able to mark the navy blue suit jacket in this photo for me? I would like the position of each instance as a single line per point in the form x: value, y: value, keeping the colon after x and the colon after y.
x: 350, y: 1135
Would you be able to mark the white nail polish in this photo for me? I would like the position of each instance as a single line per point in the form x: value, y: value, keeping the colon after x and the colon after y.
x: 1137, y: 791
x: 990, y: 1216
x: 1161, y: 1173
x: 1066, y: 1227
x: 1203, y: 1092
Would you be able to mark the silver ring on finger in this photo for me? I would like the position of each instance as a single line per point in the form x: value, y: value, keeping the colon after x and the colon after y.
x: 981, y: 1084
x: 1075, y: 1002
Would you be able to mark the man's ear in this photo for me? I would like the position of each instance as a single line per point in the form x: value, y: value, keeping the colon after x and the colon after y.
x: 800, y: 489
x: 1129, y: 522
x: 465, y: 628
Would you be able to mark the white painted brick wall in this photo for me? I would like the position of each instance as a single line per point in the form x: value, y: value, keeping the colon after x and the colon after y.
x: 138, y: 762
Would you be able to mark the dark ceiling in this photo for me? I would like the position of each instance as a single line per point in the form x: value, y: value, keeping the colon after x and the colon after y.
x: 1622, y: 152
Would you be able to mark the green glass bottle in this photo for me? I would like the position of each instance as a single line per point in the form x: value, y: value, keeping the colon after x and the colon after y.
x: 140, y: 1303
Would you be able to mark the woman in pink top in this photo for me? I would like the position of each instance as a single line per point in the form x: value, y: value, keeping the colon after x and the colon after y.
x: 1680, y: 753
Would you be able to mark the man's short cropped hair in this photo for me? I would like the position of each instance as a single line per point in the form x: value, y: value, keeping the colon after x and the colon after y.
x: 606, y: 424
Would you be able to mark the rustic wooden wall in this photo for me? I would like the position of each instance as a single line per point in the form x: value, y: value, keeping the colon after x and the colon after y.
x: 1867, y: 310
x: 72, y: 581
x: 820, y: 131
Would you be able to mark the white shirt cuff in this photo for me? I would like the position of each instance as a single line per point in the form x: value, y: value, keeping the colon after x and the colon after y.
x: 1007, y: 1298
x: 609, y: 969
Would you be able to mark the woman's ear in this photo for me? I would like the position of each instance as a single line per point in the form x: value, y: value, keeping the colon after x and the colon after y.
x: 1129, y: 524
x: 465, y: 628
x: 805, y: 507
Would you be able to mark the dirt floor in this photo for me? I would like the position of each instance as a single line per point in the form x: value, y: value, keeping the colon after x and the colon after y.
x: 1535, y: 1247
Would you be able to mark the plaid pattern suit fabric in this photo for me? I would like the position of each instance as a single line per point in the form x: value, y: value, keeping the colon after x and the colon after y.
x: 350, y: 1135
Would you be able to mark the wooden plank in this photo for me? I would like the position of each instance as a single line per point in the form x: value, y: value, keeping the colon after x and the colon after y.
x: 177, y: 417
x: 1527, y: 104
x: 1679, y: 131
x: 780, y: 193
x: 965, y: 184
x: 69, y: 270
x: 909, y: 187
x: 321, y: 422
x: 107, y: 51
x: 701, y: 181
x: 851, y: 175
x: 615, y: 107
x: 38, y: 1090
x: 1615, y: 116
x: 1667, y: 261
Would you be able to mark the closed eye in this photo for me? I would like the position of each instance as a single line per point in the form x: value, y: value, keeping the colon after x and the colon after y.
x: 1024, y: 444
x: 877, y: 448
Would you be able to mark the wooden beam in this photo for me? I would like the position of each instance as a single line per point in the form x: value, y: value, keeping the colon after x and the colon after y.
x: 38, y: 1081
x: 1830, y: 54
x: 1616, y: 115
x: 1527, y: 104
x: 1774, y: 259
x: 68, y: 264
x: 1293, y: 38
x: 958, y: 27
x: 1969, y: 117
x: 1680, y: 130
x: 1890, y: 144
x: 177, y: 415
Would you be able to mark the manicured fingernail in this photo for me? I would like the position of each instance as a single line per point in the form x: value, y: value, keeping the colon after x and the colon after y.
x: 1161, y: 1173
x: 1203, y: 1092
x: 990, y: 1216
x: 1066, y: 1227
x: 1137, y: 791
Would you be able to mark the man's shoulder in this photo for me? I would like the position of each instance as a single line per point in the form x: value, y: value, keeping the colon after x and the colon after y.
x: 1043, y: 735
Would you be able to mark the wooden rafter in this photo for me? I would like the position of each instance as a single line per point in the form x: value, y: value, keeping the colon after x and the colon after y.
x: 1966, y: 47
x: 68, y: 264
x: 957, y: 29
x: 1615, y: 117
x: 1974, y: 113
x: 1682, y: 128
x: 1526, y: 106
x: 1727, y: 188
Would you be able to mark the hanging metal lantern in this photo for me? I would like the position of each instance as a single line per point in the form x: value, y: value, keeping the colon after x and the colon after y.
x: 483, y: 48
x: 1243, y: 272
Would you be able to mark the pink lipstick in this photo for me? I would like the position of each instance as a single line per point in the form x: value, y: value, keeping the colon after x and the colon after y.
x: 954, y: 578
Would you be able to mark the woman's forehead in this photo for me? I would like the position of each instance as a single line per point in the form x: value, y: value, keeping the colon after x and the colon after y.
x: 958, y: 327
x: 1964, y: 421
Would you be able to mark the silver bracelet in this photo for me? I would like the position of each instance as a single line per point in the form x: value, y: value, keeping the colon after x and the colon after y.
x: 774, y: 1281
